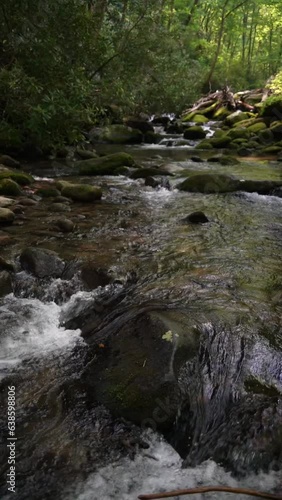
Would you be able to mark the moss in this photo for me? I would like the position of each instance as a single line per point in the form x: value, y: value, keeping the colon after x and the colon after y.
x: 218, y: 133
x: 81, y: 192
x: 272, y: 106
x: 9, y: 188
x: 19, y: 177
x: 106, y: 165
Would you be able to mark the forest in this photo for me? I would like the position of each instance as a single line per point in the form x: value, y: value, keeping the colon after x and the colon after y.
x: 68, y: 64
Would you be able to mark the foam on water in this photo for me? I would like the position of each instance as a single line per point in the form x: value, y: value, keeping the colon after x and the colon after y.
x: 159, y: 469
x: 31, y: 328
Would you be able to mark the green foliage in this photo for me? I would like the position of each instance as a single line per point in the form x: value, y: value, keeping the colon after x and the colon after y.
x: 65, y: 64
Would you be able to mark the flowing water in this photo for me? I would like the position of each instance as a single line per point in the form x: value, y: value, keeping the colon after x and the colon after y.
x: 224, y: 276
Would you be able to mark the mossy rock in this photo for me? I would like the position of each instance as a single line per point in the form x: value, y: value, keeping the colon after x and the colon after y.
x: 204, y: 145
x: 8, y: 161
x: 252, y: 144
x: 236, y: 117
x: 210, y: 183
x: 220, y: 142
x: 240, y: 141
x: 257, y: 127
x: 224, y: 160
x: 238, y: 133
x: 195, y: 133
x: 218, y: 133
x: 221, y: 113
x: 143, y: 173
x: 260, y: 187
x: 248, y: 123
x: 152, y: 138
x: 81, y: 192
x: 86, y: 154
x: 6, y: 216
x: 9, y: 188
x: 135, y: 373
x: 121, y: 134
x: 265, y: 136
x: 19, y: 177
x: 272, y: 106
x: 105, y: 165
x: 277, y: 130
x: 272, y: 150
x: 200, y: 119
x: 48, y: 192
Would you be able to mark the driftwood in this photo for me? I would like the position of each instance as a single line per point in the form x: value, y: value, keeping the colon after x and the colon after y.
x: 224, y: 97
x: 208, y: 489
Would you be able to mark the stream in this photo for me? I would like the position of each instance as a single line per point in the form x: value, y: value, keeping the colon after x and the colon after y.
x: 223, y: 277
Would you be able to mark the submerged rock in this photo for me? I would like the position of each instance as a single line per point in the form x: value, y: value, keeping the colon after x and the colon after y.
x: 134, y: 370
x: 42, y: 262
x: 93, y: 277
x: 196, y: 218
x: 64, y: 225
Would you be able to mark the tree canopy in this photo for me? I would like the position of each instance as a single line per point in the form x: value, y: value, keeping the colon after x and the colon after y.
x: 63, y: 62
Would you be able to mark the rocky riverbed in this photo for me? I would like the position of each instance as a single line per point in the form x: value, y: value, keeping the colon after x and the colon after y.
x: 148, y: 296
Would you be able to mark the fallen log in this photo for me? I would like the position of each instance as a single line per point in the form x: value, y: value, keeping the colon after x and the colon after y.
x: 208, y: 489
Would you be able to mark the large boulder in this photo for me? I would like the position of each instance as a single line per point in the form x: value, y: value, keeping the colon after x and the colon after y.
x: 195, y: 133
x: 42, y: 262
x: 105, y: 165
x: 6, y: 216
x: 209, y: 183
x: 135, y: 367
x: 119, y: 134
x: 80, y: 192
